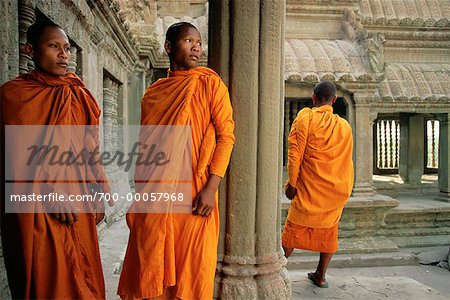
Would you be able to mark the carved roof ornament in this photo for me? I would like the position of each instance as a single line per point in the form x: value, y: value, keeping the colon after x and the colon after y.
x: 415, y: 82
x: 373, y: 44
x: 369, y: 44
x: 315, y: 60
x: 417, y: 13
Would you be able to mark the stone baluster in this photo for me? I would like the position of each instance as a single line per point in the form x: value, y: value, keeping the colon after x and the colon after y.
x: 27, y: 17
x: 72, y: 67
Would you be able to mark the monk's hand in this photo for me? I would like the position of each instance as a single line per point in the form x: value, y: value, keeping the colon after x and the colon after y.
x: 206, y: 200
x: 64, y: 211
x: 290, y: 191
x: 99, y: 212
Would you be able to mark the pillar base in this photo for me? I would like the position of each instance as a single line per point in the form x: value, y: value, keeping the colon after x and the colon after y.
x: 443, y: 196
x: 256, y: 281
x: 363, y: 189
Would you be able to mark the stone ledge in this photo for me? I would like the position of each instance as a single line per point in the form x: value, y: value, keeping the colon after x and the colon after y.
x: 421, y: 241
x: 355, y: 260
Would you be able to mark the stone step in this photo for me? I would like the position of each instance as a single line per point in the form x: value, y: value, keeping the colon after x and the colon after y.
x: 418, y: 223
x: 421, y: 241
x: 309, y: 261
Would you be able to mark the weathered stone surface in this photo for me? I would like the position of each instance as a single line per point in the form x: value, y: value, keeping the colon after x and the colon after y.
x: 9, y: 40
x: 432, y: 256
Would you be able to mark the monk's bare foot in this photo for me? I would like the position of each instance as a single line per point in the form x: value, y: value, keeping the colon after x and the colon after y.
x: 320, y: 282
x: 287, y: 251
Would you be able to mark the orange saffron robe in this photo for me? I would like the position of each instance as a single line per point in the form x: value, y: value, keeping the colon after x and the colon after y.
x: 44, y: 258
x: 177, y: 251
x: 320, y: 167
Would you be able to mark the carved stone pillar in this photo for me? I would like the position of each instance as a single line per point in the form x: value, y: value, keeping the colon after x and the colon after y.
x: 110, y: 115
x: 444, y: 157
x: 363, y: 145
x: 27, y: 17
x: 253, y: 263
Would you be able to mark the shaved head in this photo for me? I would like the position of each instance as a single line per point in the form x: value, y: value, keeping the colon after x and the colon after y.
x: 325, y: 91
x: 174, y: 31
x: 37, y: 30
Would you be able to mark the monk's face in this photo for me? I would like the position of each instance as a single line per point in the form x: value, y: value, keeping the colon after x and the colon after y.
x: 52, y: 54
x: 186, y: 51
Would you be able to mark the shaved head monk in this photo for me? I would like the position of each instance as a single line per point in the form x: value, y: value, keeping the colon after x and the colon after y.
x: 52, y: 255
x: 320, y: 170
x: 174, y: 256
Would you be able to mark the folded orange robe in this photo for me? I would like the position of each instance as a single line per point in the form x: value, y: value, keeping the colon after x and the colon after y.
x: 320, y: 167
x: 180, y: 250
x: 44, y: 258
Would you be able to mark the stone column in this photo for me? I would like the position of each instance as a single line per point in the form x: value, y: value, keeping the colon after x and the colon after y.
x: 444, y: 157
x: 363, y: 145
x: 412, y: 147
x: 27, y: 17
x: 110, y: 103
x: 403, y: 150
x: 249, y: 56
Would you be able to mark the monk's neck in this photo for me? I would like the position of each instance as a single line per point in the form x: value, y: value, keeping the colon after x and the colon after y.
x: 48, y: 74
x: 323, y: 104
x: 175, y: 68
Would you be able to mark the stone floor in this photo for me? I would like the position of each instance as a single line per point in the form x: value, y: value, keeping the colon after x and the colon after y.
x: 400, y: 282
x: 395, y: 282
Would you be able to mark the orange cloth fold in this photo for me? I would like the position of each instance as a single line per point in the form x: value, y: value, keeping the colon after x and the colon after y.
x: 313, y: 239
x: 44, y: 258
x: 320, y: 167
x: 178, y: 251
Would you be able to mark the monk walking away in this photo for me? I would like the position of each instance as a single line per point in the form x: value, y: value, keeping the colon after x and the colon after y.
x: 50, y: 255
x: 174, y: 255
x: 320, y: 170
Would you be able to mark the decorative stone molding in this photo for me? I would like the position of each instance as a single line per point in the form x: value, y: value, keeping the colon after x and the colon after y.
x: 139, y: 11
x: 418, y: 35
x: 121, y: 34
x: 324, y: 7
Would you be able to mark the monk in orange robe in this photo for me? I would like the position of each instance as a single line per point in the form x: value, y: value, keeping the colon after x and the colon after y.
x: 320, y: 170
x: 52, y: 255
x: 174, y: 255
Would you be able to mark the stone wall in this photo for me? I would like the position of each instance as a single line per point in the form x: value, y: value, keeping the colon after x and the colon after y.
x: 9, y: 68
